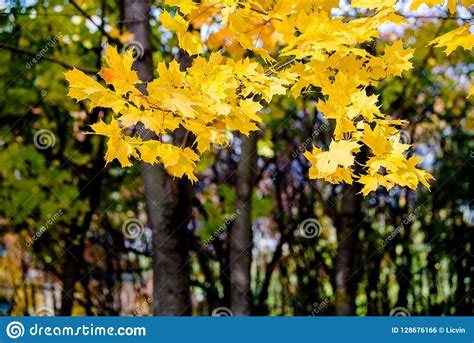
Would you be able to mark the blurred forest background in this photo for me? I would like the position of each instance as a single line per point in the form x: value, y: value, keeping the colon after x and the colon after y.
x: 75, y: 238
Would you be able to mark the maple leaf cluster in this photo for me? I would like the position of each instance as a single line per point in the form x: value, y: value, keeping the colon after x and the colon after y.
x: 208, y: 107
x: 304, y: 48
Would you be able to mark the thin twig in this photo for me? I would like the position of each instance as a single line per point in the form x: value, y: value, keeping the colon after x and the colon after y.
x: 99, y: 27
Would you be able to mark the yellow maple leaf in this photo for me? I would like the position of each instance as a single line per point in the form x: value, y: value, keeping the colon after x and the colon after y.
x: 334, y: 165
x: 397, y: 59
x: 417, y: 3
x: 155, y: 120
x: 376, y: 140
x: 117, y: 147
x: 82, y: 87
x: 177, y: 161
x: 371, y: 4
x: 190, y: 42
x: 176, y: 23
x: 461, y: 37
x: 119, y: 73
x: 185, y: 6
x: 370, y: 182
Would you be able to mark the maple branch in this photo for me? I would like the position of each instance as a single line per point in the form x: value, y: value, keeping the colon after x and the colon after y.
x: 414, y: 16
x: 274, y: 68
x: 436, y: 17
x: 185, y: 139
x: 47, y: 58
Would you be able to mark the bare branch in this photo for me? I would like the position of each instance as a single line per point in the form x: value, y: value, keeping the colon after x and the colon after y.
x: 99, y: 27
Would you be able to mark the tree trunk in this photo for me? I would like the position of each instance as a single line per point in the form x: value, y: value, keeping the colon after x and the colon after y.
x: 241, y: 235
x: 69, y: 279
x: 347, y: 236
x: 168, y: 200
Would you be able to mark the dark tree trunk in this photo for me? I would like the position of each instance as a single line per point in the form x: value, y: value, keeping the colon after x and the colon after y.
x: 168, y: 200
x: 404, y: 273
x: 67, y: 293
x: 463, y: 260
x: 373, y: 277
x: 347, y: 236
x: 241, y: 235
